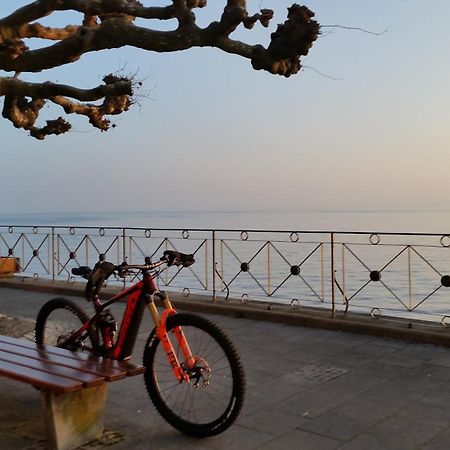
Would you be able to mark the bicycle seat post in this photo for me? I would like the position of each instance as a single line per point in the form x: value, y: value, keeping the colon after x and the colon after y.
x: 97, y: 303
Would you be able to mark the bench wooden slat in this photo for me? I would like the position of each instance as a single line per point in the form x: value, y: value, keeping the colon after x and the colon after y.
x: 110, y: 364
x: 95, y: 367
x: 39, y: 379
x: 87, y: 379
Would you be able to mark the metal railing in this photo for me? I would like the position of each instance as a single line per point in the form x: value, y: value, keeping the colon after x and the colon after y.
x: 391, y: 274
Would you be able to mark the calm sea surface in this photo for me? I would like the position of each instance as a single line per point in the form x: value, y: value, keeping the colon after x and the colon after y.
x: 380, y: 221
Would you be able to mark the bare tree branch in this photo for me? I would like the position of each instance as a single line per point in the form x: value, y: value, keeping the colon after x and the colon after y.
x: 108, y: 24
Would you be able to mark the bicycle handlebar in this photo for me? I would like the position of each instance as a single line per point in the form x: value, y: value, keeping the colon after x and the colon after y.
x: 170, y: 257
x: 103, y: 269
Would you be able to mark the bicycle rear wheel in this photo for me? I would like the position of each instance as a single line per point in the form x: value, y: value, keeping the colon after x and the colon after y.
x: 57, y: 320
x: 211, y: 401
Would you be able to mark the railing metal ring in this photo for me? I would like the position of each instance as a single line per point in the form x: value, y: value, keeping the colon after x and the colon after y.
x: 186, y: 292
x: 374, y: 239
x: 185, y: 234
x: 71, y: 279
x: 445, y: 240
x: 444, y: 321
x: 10, y: 229
x: 148, y: 233
x: 375, y: 313
x: 244, y: 298
x: 72, y: 231
x: 294, y: 237
x: 35, y: 230
x: 295, y: 303
x: 244, y: 235
x: 101, y: 231
x: 35, y: 275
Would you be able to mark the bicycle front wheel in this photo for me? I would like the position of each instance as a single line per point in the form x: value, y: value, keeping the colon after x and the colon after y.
x: 212, y: 399
x: 57, y: 322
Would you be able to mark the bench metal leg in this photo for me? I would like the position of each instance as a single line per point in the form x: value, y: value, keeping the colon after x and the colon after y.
x: 76, y: 418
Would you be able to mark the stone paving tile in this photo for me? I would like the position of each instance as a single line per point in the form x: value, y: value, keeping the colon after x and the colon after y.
x: 404, y: 432
x: 367, y: 441
x: 271, y: 421
x: 439, y: 442
x: 383, y: 371
x: 433, y: 371
x: 426, y: 412
x: 349, y: 358
x: 299, y: 439
x: 337, y: 425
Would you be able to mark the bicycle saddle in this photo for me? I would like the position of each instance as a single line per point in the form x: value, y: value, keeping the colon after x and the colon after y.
x: 82, y: 271
x: 175, y: 258
x: 96, y: 277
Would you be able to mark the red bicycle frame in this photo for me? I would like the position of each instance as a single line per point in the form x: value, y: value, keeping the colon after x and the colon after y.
x: 143, y: 293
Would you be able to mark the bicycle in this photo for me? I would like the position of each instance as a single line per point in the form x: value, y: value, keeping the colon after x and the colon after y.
x: 193, y: 373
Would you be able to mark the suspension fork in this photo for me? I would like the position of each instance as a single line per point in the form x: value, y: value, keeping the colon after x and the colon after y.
x: 163, y: 336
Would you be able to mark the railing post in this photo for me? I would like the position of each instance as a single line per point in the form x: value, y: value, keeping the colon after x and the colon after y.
x: 53, y: 253
x: 124, y: 245
x: 124, y: 250
x: 333, y: 299
x: 214, y: 265
x: 269, y: 269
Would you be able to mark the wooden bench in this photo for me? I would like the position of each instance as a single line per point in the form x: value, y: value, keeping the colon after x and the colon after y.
x: 73, y: 385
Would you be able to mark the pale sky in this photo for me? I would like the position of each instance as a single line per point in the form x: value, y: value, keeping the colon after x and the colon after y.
x: 213, y: 134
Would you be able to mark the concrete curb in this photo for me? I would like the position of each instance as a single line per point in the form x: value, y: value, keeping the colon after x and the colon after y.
x: 409, y: 330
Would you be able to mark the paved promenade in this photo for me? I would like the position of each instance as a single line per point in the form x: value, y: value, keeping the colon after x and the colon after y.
x: 307, y: 389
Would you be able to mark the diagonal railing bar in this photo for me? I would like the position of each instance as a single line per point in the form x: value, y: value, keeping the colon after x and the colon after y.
x: 93, y: 244
x: 395, y: 295
x: 258, y: 252
x: 133, y: 241
x: 311, y: 288
x: 310, y: 254
x: 61, y: 239
x: 426, y: 261
x: 223, y: 243
x: 259, y: 284
x: 359, y: 290
x: 3, y: 240
x: 231, y: 251
x: 159, y: 246
x: 281, y: 255
x: 59, y: 263
x: 115, y: 240
x: 355, y: 255
x: 281, y: 284
x: 394, y: 258
x: 426, y: 298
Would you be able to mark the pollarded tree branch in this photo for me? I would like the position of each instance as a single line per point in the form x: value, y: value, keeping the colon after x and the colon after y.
x: 108, y: 24
x: 116, y: 94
